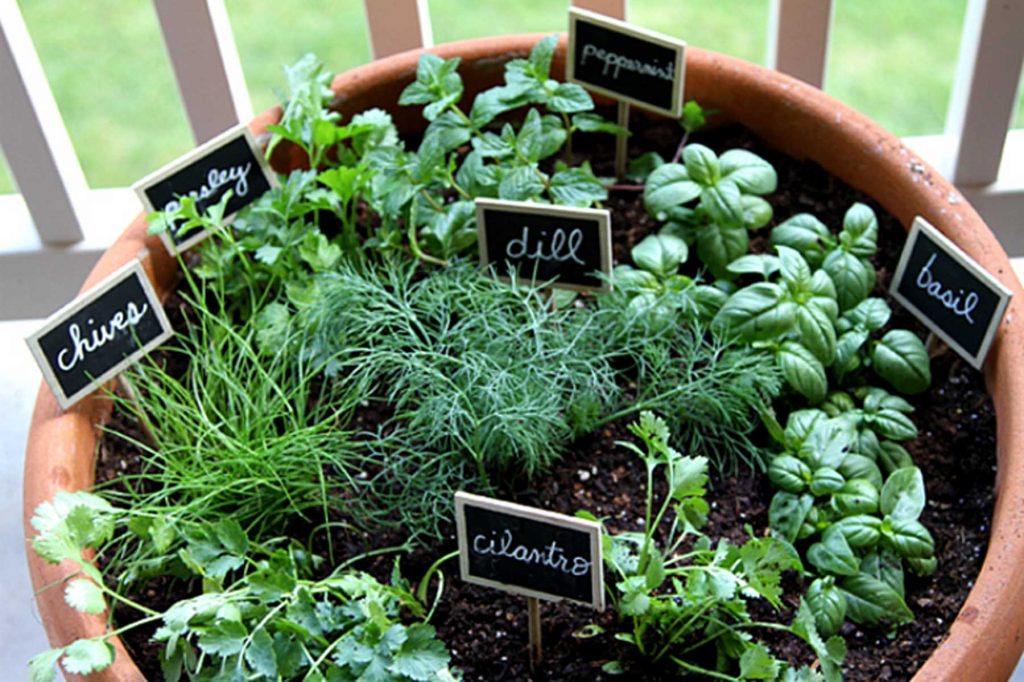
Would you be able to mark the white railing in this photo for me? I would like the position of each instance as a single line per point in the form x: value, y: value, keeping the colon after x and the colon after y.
x: 52, y: 233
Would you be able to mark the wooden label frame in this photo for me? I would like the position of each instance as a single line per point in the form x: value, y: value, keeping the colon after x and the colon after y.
x: 536, y: 517
x: 599, y: 219
x: 187, y: 164
x: 122, y: 277
x: 629, y: 31
x: 956, y: 258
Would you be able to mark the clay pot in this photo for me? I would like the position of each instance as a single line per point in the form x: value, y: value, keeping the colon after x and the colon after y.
x: 984, y: 642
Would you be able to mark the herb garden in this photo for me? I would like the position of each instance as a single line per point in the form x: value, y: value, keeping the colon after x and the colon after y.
x: 740, y: 404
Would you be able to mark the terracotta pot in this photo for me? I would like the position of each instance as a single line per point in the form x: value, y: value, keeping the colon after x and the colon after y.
x: 984, y: 642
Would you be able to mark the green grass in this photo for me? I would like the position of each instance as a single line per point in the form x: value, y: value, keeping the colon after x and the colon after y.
x: 894, y: 60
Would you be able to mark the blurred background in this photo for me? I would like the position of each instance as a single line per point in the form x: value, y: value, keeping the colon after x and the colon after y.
x: 893, y: 60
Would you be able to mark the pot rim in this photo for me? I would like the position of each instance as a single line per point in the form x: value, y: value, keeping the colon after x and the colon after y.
x: 984, y: 642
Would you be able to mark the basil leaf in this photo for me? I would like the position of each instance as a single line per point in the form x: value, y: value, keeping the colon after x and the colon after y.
x: 719, y: 245
x: 624, y: 276
x: 660, y: 254
x: 856, y: 466
x: 893, y: 456
x: 789, y: 473
x: 787, y: 512
x: 910, y: 538
x: 828, y: 444
x: 886, y: 566
x: 870, y: 315
x: 901, y: 359
x: 903, y: 495
x: 869, y: 601
x: 853, y: 277
x: 756, y: 312
x: 800, y: 425
x: 859, y: 235
x: 891, y: 424
x: 857, y: 496
x: 701, y: 164
x: 762, y: 264
x: 723, y: 204
x: 847, y: 358
x: 750, y: 172
x: 923, y: 567
x: 826, y: 480
x: 802, y: 371
x: 806, y: 234
x: 860, y: 530
x: 828, y: 604
x: 794, y: 270
x: 833, y: 554
x: 668, y: 186
x: 817, y: 334
x: 756, y: 212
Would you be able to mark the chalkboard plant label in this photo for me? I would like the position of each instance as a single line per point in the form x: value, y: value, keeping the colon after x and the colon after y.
x: 529, y: 551
x: 231, y: 161
x: 946, y: 289
x: 626, y: 62
x: 563, y: 246
x: 94, y: 337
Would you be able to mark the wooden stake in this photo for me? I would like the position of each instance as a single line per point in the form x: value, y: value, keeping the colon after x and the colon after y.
x: 536, y: 651
x: 621, y: 141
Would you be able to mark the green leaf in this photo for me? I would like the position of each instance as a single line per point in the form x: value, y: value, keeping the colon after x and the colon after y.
x: 802, y: 371
x: 577, y: 187
x: 757, y: 663
x: 718, y: 246
x: 660, y: 254
x: 833, y: 554
x: 901, y: 359
x: 223, y: 639
x: 794, y: 270
x: 800, y: 425
x: 787, y: 512
x: 669, y: 186
x: 817, y: 334
x: 642, y: 166
x: 828, y: 444
x: 885, y: 565
x: 870, y: 315
x: 86, y: 656
x: 892, y: 424
x: 654, y: 576
x: 870, y: 601
x: 724, y: 204
x: 910, y: 538
x: 693, y: 117
x: 854, y: 278
x: 84, y: 595
x: 789, y: 473
x: 594, y: 123
x: 570, y: 98
x: 830, y: 653
x: 422, y: 656
x: 860, y: 531
x: 856, y: 466
x: 763, y: 264
x: 806, y: 234
x: 903, y: 495
x: 756, y: 212
x: 688, y: 477
x: 826, y: 480
x: 634, y: 602
x: 260, y: 654
x: 859, y: 235
x: 43, y: 666
x: 750, y: 172
x: 847, y: 358
x: 857, y: 496
x: 539, y: 137
x: 828, y: 604
x: 541, y: 55
x: 521, y: 184
x: 893, y: 456
x: 923, y: 567
x: 757, y: 312
x: 701, y: 164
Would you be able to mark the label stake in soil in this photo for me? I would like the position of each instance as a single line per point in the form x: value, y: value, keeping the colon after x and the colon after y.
x: 630, y: 64
x: 536, y: 650
x: 956, y: 298
x: 622, y: 141
x: 533, y: 552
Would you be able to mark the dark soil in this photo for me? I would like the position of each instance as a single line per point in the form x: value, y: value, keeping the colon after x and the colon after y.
x: 486, y: 629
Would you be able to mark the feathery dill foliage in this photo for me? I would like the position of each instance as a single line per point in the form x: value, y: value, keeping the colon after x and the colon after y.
x: 489, y: 371
x: 243, y: 434
x: 472, y: 366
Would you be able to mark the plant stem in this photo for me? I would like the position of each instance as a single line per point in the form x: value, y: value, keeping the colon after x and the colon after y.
x: 679, y: 150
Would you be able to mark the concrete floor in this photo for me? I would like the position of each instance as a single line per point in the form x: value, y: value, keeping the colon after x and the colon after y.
x: 21, y: 634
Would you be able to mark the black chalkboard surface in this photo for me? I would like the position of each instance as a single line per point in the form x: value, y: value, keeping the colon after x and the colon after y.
x: 230, y: 161
x: 529, y: 551
x: 950, y: 292
x: 541, y: 243
x: 97, y: 335
x: 626, y: 62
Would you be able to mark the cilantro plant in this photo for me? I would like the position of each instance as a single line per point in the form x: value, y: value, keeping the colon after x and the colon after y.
x: 261, y: 615
x: 680, y: 593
